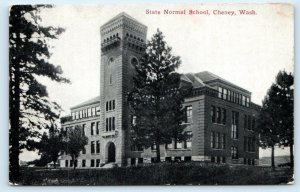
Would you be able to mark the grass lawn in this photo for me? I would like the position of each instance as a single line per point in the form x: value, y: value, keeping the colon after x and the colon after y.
x: 193, y: 173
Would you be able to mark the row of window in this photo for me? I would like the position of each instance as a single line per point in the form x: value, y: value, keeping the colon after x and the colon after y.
x: 95, y: 145
x: 110, y: 105
x: 249, y: 161
x: 218, y: 159
x: 232, y: 96
x: 134, y: 37
x: 89, y: 112
x: 110, y: 124
x: 249, y: 144
x: 249, y: 122
x: 94, y: 163
x: 95, y: 130
x: 218, y: 115
x: 174, y: 145
x: 111, y: 37
x: 217, y: 140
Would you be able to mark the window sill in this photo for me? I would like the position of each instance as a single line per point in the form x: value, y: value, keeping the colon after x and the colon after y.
x: 187, y: 149
x: 219, y: 124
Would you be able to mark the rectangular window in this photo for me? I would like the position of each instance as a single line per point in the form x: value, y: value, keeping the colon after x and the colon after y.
x: 243, y: 100
x: 84, y: 113
x: 97, y: 162
x: 245, y: 144
x: 213, y: 114
x: 113, y: 123
x: 98, y: 147
x: 98, y: 110
x: 253, y: 123
x: 89, y: 111
x: 218, y: 115
x: 67, y: 163
x: 249, y: 122
x: 234, y: 153
x: 109, y: 123
x: 92, y: 128
x: 245, y: 122
x: 93, y: 111
x: 73, y: 115
x: 224, y: 116
x: 240, y: 96
x: 220, y: 91
x: 189, y: 114
x: 234, y: 124
x: 92, y: 162
x: 212, y: 140
x: 178, y: 145
x: 222, y: 145
x: 247, y: 102
x: 80, y: 114
x: 229, y: 95
x: 92, y: 147
x: 189, y: 140
x: 113, y: 104
x: 76, y: 115
x: 217, y: 145
x: 97, y: 127
x: 83, y: 164
x: 106, y: 105
x: 225, y: 94
x: 106, y: 125
x: 83, y: 129
x: 110, y: 105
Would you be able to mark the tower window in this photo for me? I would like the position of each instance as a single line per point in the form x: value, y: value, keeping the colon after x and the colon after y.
x: 134, y: 61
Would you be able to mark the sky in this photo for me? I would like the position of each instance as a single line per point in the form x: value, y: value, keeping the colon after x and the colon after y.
x: 247, y: 50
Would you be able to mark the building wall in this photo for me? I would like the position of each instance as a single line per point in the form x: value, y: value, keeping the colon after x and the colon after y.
x: 116, y: 57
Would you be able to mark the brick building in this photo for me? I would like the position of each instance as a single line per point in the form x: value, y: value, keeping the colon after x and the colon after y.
x: 220, y: 115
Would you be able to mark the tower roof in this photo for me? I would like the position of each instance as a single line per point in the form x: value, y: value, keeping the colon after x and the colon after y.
x: 122, y: 15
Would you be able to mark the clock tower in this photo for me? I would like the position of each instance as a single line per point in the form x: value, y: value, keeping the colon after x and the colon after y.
x: 123, y: 42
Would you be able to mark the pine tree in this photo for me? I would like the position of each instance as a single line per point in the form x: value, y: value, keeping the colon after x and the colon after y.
x: 75, y: 142
x: 157, y: 97
x: 275, y: 122
x: 30, y: 108
x: 284, y: 88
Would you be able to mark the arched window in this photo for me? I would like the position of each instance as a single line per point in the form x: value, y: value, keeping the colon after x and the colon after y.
x: 134, y: 61
x: 109, y: 70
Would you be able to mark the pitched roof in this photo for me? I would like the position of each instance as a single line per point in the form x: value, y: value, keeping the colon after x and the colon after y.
x: 88, y: 102
x: 202, y: 78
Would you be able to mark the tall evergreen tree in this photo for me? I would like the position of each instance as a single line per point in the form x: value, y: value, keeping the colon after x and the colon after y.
x: 30, y: 108
x: 75, y: 142
x: 157, y: 97
x: 284, y: 88
x: 275, y: 122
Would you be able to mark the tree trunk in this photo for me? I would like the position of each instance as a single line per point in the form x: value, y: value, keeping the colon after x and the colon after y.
x: 157, y: 153
x: 272, y: 157
x: 14, y: 134
x: 74, y: 162
x: 292, y: 155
